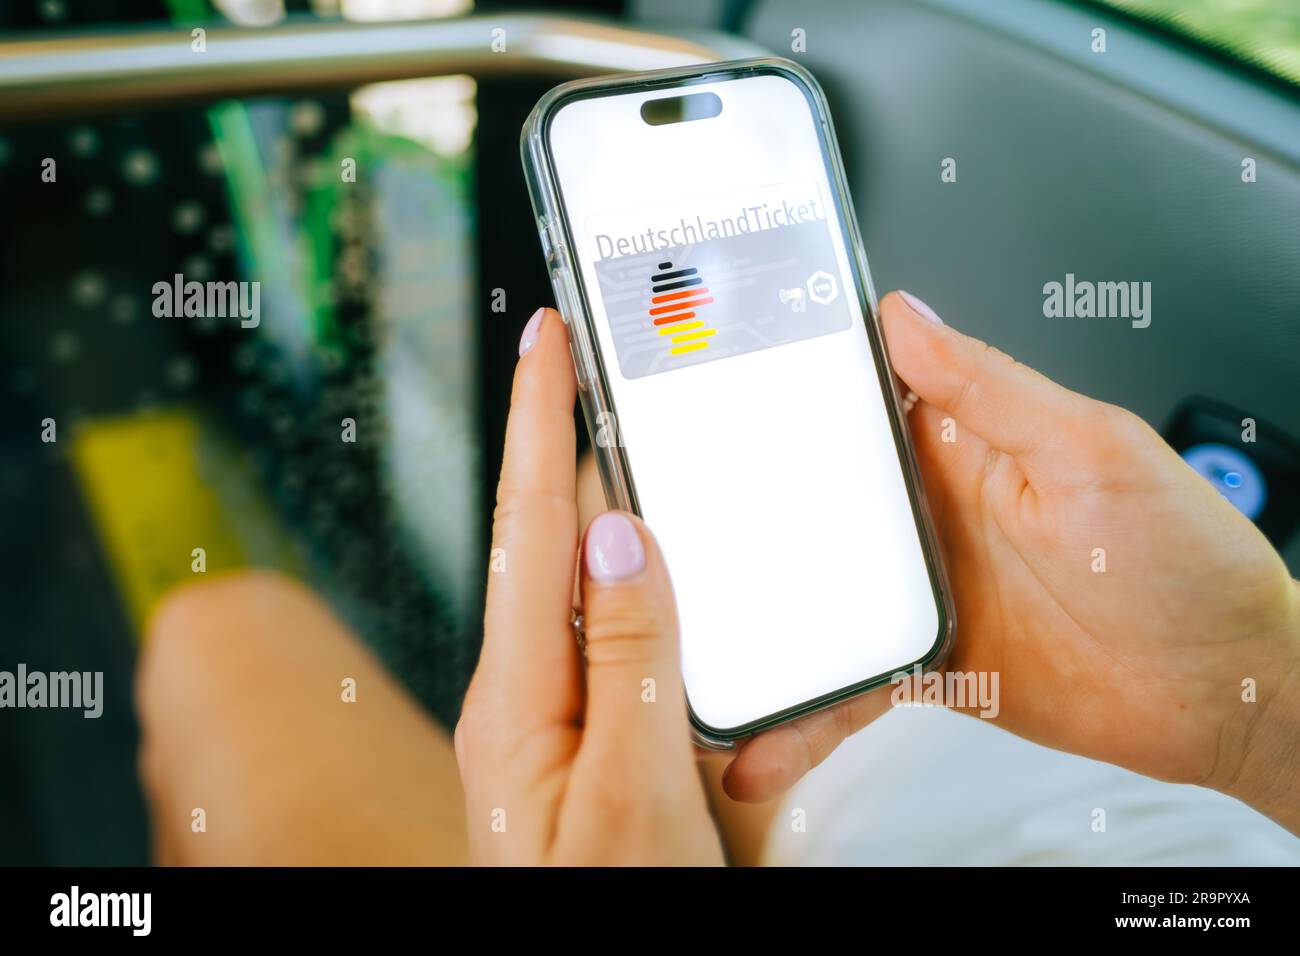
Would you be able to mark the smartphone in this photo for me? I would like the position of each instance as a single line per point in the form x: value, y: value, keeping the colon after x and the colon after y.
x: 705, y: 256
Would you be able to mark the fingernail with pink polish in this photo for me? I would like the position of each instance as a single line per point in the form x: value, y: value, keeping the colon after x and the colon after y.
x: 531, y: 330
x: 613, y: 551
x: 920, y: 308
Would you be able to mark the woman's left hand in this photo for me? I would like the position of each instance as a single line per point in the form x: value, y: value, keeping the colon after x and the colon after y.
x: 564, y: 764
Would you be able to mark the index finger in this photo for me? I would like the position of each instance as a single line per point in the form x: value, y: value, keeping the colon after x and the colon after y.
x: 529, y: 667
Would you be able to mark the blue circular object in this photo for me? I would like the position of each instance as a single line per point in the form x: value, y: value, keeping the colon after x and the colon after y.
x: 1233, y: 473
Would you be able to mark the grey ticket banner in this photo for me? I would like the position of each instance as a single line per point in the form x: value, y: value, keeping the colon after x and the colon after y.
x: 717, y: 298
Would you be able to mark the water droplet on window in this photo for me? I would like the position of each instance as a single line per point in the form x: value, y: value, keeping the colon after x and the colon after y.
x: 140, y: 167
x: 306, y: 118
x: 244, y: 359
x: 89, y: 289
x: 65, y: 346
x: 99, y: 202
x: 187, y: 217
x: 52, y: 11
x: 210, y: 159
x: 84, y: 141
x: 122, y: 309
x: 180, y: 372
x: 198, y: 268
x: 221, y: 238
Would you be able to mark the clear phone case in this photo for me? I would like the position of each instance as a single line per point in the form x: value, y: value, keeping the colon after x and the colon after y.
x: 597, y: 403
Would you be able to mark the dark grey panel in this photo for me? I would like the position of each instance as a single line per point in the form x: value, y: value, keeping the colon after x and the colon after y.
x: 1117, y: 166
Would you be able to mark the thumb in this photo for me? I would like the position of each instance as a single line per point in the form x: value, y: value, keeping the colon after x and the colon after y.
x: 636, y: 705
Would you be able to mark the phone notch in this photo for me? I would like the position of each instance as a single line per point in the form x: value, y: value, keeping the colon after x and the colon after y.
x: 681, y: 109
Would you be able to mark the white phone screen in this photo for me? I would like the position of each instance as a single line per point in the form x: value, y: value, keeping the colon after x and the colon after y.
x: 730, y: 330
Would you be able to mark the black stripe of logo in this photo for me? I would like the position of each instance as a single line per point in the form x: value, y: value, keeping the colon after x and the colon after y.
x: 669, y: 286
x: 673, y: 275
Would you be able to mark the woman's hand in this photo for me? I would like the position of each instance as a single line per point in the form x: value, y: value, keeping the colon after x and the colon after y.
x: 1140, y: 660
x: 565, y: 764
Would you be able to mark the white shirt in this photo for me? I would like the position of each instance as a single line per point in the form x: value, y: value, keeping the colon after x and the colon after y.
x: 927, y: 786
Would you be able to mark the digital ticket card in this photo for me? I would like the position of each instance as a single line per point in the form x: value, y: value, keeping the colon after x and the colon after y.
x: 734, y: 274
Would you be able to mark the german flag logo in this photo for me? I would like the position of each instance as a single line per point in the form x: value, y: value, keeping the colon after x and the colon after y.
x: 675, y: 297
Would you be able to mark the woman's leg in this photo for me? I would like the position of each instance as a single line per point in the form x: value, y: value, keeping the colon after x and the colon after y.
x: 243, y: 697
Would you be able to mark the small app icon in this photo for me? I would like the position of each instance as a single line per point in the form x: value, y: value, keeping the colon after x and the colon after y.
x: 794, y: 298
x: 675, y: 301
x: 822, y: 288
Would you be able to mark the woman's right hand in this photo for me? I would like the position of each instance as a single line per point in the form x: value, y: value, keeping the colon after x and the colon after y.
x: 1122, y: 599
